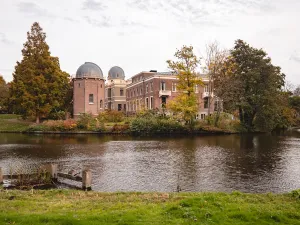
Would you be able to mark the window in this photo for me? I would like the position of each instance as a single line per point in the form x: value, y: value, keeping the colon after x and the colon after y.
x: 101, y: 104
x: 146, y: 88
x: 147, y: 103
x: 151, y: 86
x: 205, y: 103
x: 202, y: 116
x: 91, y: 98
x: 151, y: 102
x: 101, y: 85
x: 174, y: 87
x: 119, y: 107
x: 206, y: 88
x: 162, y: 86
x: 78, y: 84
x: 121, y: 92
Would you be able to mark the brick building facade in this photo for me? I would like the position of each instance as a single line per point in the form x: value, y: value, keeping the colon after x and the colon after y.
x: 88, y: 90
x: 153, y: 90
x: 144, y: 91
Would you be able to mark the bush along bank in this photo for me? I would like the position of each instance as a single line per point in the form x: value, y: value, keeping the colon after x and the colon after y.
x: 78, y: 207
x: 143, y: 124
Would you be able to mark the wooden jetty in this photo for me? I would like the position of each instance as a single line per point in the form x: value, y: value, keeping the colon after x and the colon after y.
x: 52, y: 171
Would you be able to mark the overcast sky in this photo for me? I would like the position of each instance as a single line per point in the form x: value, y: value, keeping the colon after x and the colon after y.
x: 140, y: 35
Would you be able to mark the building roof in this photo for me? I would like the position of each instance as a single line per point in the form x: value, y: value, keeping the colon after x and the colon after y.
x: 89, y: 70
x: 116, y: 72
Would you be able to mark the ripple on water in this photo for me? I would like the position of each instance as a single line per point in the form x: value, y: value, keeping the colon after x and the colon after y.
x: 251, y: 163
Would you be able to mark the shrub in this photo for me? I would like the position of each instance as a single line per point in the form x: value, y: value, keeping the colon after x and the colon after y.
x: 60, y: 115
x: 37, y: 127
x: 155, y: 125
x: 69, y: 124
x: 225, y: 123
x: 85, y: 120
x: 54, y: 125
x: 111, y: 116
x: 120, y: 128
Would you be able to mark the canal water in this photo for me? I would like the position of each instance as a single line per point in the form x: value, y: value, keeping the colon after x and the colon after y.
x: 254, y: 163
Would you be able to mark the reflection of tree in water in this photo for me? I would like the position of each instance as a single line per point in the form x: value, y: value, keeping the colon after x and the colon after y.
x: 187, y: 165
x: 257, y: 159
x: 50, y: 146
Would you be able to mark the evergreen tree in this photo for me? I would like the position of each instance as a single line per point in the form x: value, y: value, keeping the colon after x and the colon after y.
x: 39, y: 86
x: 186, y: 102
x: 3, y: 95
x: 252, y: 85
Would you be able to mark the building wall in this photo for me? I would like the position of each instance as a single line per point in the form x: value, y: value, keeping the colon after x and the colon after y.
x: 137, y: 94
x: 82, y: 90
x: 113, y: 95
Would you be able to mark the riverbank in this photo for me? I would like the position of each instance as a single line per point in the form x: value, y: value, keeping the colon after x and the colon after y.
x: 10, y: 123
x: 77, y: 207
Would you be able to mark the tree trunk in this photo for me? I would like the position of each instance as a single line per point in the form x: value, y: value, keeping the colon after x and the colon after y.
x: 217, y: 117
x: 248, y: 121
x: 37, y: 118
x: 241, y: 114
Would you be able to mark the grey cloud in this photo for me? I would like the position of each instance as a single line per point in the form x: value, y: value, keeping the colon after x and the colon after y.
x: 295, y: 57
x: 94, y: 5
x: 204, y: 12
x: 104, y: 22
x: 184, y: 11
x: 128, y: 23
x: 4, y: 40
x: 70, y: 19
x: 33, y: 9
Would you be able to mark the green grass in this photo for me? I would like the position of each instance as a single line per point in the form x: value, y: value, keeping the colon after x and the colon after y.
x: 12, y: 122
x: 77, y: 207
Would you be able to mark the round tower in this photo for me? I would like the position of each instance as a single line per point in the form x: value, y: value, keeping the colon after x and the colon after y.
x: 88, y: 90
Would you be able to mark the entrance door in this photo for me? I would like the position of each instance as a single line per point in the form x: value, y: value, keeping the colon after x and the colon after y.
x: 163, y: 102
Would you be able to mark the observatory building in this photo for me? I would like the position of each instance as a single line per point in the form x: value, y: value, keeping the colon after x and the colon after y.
x: 88, y: 90
x: 115, y: 90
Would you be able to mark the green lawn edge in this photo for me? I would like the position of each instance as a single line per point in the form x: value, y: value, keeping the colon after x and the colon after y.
x: 79, y: 207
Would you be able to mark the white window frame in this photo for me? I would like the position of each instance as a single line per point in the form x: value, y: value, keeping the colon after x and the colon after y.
x: 91, y: 102
x: 174, y: 87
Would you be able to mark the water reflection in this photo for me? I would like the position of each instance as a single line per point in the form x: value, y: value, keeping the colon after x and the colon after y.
x: 250, y: 163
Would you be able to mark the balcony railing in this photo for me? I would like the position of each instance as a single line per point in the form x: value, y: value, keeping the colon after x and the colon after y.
x: 164, y: 93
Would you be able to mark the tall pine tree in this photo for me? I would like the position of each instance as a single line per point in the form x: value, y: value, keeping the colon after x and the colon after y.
x: 3, y: 95
x: 39, y: 86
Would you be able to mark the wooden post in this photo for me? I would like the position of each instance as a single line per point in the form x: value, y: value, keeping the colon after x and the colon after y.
x: 87, y: 180
x: 1, y: 176
x: 51, y: 169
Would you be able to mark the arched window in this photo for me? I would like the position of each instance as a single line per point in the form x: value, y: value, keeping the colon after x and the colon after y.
x: 101, y: 104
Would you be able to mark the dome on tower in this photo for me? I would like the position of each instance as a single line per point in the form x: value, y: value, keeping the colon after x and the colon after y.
x: 89, y: 70
x: 116, y: 72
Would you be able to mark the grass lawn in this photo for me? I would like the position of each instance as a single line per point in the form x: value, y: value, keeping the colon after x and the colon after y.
x: 12, y: 122
x: 77, y: 207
